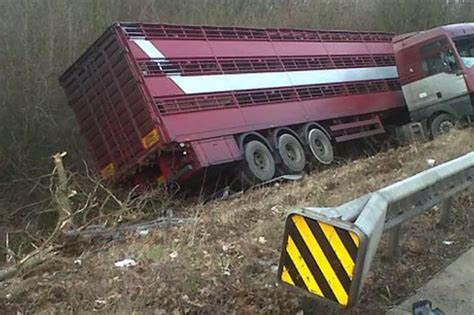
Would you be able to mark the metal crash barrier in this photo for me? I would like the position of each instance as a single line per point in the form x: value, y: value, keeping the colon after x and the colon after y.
x: 327, y: 252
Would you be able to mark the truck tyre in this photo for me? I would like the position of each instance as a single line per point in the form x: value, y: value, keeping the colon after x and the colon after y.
x: 320, y: 146
x: 442, y: 124
x: 259, y: 163
x: 292, y: 154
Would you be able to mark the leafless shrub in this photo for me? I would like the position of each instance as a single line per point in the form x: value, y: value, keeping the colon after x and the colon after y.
x: 80, y: 201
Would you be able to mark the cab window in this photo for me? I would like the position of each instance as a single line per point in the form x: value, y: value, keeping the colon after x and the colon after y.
x: 465, y: 47
x: 438, y: 57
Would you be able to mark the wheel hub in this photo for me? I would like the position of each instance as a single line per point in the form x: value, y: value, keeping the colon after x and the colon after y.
x: 259, y: 160
x: 446, y: 126
x: 319, y: 146
x: 290, y: 152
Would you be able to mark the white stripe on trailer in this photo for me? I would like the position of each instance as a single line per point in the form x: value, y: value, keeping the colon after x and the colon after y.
x: 267, y: 80
x: 148, y: 48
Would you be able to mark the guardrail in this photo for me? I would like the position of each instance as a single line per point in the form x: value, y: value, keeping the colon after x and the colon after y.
x: 327, y: 252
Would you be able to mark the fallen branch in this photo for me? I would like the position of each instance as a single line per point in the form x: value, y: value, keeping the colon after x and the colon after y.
x: 28, y: 264
x: 38, y: 256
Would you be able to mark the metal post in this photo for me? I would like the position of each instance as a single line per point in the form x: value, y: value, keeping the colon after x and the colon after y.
x: 394, y: 243
x: 445, y: 215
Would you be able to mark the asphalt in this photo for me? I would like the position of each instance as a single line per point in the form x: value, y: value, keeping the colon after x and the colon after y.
x: 451, y: 290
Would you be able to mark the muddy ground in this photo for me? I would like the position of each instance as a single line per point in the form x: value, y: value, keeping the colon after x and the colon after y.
x: 225, y: 263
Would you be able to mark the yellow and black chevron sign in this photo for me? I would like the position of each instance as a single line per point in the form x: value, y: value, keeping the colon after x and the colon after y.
x: 319, y: 258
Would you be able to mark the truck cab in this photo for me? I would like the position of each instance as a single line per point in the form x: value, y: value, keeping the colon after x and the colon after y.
x: 436, y: 70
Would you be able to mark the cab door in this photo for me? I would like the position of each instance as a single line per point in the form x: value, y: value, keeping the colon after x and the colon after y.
x: 443, y: 79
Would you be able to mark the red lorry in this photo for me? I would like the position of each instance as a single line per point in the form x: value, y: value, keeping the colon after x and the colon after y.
x: 169, y: 102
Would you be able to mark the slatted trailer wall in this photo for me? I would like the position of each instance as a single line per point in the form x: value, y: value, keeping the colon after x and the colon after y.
x: 148, y: 92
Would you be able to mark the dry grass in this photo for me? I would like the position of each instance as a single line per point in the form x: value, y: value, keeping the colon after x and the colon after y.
x: 225, y: 263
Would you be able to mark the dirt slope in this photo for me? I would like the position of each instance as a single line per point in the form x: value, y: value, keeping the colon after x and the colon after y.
x: 226, y: 262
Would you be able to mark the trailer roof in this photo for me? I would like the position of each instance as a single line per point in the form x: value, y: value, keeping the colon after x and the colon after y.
x: 177, y: 31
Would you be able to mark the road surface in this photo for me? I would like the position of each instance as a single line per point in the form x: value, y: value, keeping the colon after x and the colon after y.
x: 451, y: 290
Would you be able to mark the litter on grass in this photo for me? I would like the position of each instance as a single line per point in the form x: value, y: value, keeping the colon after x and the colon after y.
x: 125, y: 263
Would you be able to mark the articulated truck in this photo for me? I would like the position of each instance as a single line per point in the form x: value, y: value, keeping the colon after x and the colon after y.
x: 172, y: 102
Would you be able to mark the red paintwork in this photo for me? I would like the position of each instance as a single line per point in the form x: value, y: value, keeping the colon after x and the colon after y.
x: 201, y: 49
x: 469, y: 76
x: 407, y: 51
x: 162, y: 86
x: 117, y: 105
x: 188, y: 126
x: 418, y: 38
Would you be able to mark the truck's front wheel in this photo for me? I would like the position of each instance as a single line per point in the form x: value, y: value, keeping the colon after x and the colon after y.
x: 442, y: 124
x: 259, y: 163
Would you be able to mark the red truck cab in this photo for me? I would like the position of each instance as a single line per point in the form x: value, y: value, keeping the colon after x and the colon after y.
x: 436, y: 70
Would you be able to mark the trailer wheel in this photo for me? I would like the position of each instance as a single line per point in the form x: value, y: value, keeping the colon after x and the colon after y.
x: 320, y: 146
x: 442, y: 124
x: 259, y: 163
x: 292, y: 154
